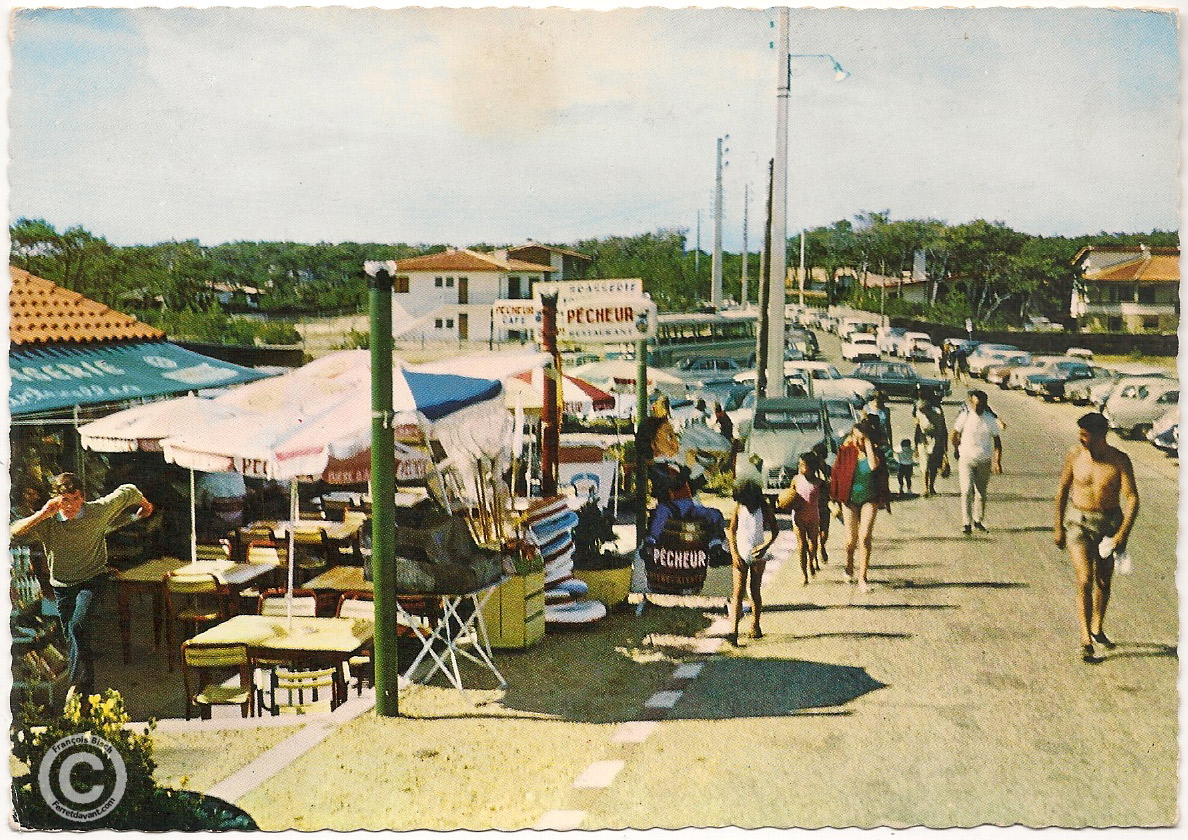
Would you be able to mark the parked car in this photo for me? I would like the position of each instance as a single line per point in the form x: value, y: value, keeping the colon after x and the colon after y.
x: 804, y: 340
x: 697, y: 372
x: 791, y: 354
x: 918, y: 347
x: 860, y: 346
x: 899, y: 379
x: 843, y: 414
x: 852, y: 324
x: 1079, y: 353
x: 1097, y: 390
x: 1050, y: 384
x: 1018, y: 377
x: 890, y: 339
x: 781, y: 431
x: 828, y: 383
x: 988, y: 355
x: 1135, y: 406
x: 1165, y: 433
x: 742, y: 410
x: 999, y: 374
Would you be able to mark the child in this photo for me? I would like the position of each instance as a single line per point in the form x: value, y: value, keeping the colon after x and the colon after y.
x: 752, y: 517
x: 803, y: 497
x: 907, y: 462
x: 823, y: 472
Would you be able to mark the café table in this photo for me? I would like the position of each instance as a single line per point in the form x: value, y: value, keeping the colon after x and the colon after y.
x: 304, y: 641
x: 309, y: 531
x: 149, y: 577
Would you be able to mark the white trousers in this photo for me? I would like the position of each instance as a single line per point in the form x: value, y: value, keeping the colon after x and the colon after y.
x: 973, y: 477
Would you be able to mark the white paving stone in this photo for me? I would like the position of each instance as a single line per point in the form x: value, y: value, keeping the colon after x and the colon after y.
x: 707, y: 645
x: 688, y: 671
x: 634, y: 732
x: 663, y: 699
x: 600, y: 774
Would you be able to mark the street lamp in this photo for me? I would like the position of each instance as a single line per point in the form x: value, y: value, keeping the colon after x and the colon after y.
x: 777, y: 270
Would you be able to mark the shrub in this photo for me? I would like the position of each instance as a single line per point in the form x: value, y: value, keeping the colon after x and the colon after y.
x: 279, y: 332
x: 143, y: 804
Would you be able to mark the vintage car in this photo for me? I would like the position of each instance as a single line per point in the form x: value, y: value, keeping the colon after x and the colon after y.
x: 860, y: 346
x: 899, y: 379
x: 1050, y: 383
x: 1135, y: 406
x: 783, y: 429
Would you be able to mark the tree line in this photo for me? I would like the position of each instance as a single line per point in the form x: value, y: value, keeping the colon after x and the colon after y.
x: 979, y: 269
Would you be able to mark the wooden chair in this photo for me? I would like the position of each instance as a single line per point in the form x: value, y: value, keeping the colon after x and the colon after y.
x: 357, y: 603
x: 298, y: 682
x: 212, y: 551
x: 272, y: 602
x: 197, y: 660
x: 193, y: 600
x: 339, y: 553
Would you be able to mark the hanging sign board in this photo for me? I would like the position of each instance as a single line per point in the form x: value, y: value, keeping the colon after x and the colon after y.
x: 601, y: 287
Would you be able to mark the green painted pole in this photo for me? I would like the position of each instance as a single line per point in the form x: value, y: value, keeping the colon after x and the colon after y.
x: 641, y: 461
x: 383, y: 497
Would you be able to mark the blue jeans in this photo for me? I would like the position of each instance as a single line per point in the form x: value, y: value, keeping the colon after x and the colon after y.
x: 76, y: 608
x: 687, y: 509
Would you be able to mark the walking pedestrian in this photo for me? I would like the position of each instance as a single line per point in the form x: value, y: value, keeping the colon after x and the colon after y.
x: 752, y: 530
x: 860, y: 484
x: 931, y: 437
x: 904, y: 466
x: 977, y: 446
x: 71, y: 531
x: 803, y: 498
x: 820, y: 452
x: 1098, y: 480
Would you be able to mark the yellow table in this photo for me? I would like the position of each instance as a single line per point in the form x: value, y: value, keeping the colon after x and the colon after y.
x: 308, y: 531
x: 309, y: 642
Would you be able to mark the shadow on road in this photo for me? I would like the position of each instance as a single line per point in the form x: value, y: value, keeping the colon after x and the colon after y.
x: 853, y: 635
x: 774, y: 688
x: 1127, y: 650
x: 955, y: 584
x: 812, y: 607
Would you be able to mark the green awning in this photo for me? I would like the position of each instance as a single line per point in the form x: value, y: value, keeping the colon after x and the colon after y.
x: 50, y: 378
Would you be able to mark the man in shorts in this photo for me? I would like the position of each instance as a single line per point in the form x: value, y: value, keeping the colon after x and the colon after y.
x: 977, y: 446
x: 1098, y: 480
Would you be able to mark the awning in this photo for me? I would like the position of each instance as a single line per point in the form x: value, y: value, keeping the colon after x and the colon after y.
x: 51, y: 378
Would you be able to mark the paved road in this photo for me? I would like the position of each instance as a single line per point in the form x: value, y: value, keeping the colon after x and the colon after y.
x: 952, y: 694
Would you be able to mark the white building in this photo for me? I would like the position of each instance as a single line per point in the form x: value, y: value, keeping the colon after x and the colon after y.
x: 448, y: 295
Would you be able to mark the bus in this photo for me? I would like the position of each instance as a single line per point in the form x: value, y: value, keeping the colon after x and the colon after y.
x: 679, y: 335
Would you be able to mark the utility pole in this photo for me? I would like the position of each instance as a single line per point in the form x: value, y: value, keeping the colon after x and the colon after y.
x: 716, y: 264
x: 746, y: 211
x: 697, y: 253
x: 777, y: 267
x: 764, y: 285
x: 802, y: 268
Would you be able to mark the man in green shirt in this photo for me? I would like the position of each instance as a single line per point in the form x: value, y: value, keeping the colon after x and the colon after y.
x: 72, y: 531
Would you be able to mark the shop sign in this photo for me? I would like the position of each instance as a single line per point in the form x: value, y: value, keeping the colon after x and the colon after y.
x: 599, y: 319
x: 514, y: 314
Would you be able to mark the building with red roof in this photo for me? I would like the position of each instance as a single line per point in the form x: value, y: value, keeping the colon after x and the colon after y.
x: 1127, y: 289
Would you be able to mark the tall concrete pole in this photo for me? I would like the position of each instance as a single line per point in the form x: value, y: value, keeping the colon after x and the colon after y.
x: 746, y: 213
x: 777, y: 267
x: 802, y: 268
x: 550, y: 419
x: 716, y: 264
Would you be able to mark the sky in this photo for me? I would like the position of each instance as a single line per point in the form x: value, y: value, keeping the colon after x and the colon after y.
x: 464, y: 126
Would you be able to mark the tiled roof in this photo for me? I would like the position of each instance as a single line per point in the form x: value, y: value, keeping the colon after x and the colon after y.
x: 41, y: 312
x: 1123, y: 249
x: 460, y: 259
x: 553, y: 248
x: 1160, y: 268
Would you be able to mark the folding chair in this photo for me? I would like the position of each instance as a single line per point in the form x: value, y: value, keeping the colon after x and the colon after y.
x: 359, y: 604
x: 454, y: 631
x: 220, y: 658
x: 192, y: 599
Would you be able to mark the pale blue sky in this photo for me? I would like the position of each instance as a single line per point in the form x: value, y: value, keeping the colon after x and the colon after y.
x: 461, y: 126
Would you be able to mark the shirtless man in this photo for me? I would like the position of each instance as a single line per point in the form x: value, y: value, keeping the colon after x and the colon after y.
x: 1105, y: 503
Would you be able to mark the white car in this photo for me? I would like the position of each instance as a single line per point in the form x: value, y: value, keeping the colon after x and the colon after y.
x: 860, y: 346
x: 989, y: 355
x: 1017, y: 380
x: 828, y: 383
x: 1134, y: 407
x: 918, y: 346
x: 890, y: 339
